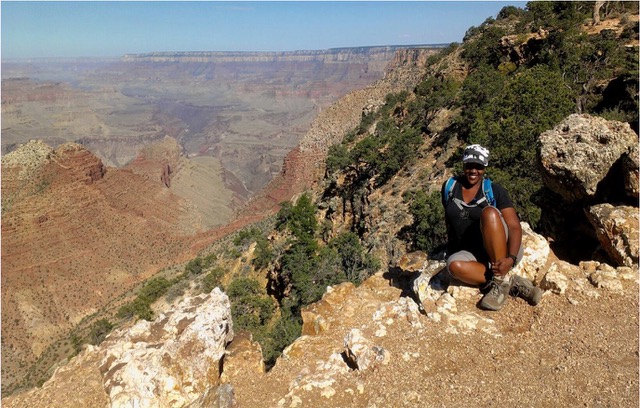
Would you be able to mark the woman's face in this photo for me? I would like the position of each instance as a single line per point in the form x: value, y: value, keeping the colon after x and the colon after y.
x: 473, y: 172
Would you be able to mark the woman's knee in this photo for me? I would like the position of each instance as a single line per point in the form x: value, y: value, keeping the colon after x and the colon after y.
x: 490, y: 215
x: 454, y: 268
x: 470, y: 272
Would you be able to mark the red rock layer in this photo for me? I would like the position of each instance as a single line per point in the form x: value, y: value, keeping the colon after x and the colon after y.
x: 75, y: 235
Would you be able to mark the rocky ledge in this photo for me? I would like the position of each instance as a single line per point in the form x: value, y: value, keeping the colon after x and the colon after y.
x: 397, y: 335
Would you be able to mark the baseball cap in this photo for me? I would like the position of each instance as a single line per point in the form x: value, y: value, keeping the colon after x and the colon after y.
x: 476, y: 154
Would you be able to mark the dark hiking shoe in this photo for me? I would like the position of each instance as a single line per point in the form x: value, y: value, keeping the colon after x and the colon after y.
x: 495, y: 295
x: 524, y: 288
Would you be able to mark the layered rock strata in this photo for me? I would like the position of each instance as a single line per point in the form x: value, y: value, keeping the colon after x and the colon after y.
x: 75, y: 235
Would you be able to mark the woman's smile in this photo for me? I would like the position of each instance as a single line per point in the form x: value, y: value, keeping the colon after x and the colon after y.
x: 473, y: 172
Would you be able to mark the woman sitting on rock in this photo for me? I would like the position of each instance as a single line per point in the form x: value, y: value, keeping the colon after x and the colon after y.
x: 484, y: 234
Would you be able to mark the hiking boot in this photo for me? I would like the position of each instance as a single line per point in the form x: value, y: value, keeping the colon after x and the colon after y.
x: 495, y: 295
x: 524, y: 289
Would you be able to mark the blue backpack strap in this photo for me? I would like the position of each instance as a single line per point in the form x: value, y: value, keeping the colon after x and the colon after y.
x: 447, y: 194
x: 487, y: 189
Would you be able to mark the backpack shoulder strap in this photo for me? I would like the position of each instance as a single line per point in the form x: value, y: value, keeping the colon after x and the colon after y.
x: 487, y: 190
x: 448, y: 190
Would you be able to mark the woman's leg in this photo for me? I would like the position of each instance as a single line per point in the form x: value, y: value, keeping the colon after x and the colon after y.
x: 464, y: 267
x: 494, y: 233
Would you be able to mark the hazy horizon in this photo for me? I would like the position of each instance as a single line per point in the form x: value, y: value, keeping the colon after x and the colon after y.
x: 19, y: 59
x: 71, y: 30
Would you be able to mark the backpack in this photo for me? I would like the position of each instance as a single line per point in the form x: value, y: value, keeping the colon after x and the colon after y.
x: 487, y: 191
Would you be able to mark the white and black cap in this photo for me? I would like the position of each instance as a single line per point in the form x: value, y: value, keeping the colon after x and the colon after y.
x: 476, y: 154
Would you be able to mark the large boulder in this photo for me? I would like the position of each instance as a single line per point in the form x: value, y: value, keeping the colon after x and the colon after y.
x: 617, y: 231
x: 577, y: 154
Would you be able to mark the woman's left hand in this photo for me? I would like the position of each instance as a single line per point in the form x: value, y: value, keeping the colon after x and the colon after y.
x: 502, y: 266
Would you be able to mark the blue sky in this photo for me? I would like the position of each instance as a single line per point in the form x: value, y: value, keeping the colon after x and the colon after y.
x: 100, y: 29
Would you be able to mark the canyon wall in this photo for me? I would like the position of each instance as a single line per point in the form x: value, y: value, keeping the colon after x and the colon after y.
x: 80, y: 228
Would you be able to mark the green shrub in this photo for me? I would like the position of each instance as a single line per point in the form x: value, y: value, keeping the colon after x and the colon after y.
x: 209, y: 260
x: 99, y: 331
x: 212, y: 280
x: 298, y: 267
x: 510, y: 11
x: 246, y: 236
x: 243, y: 287
x: 338, y: 158
x: 263, y: 253
x: 194, y: 267
x: 141, y: 305
x: 153, y: 289
x: 432, y: 94
x: 299, y: 219
x: 428, y: 232
x: 285, y: 331
x: 509, y: 125
x: 76, y: 342
x: 251, y: 308
x: 483, y: 49
x: 355, y: 264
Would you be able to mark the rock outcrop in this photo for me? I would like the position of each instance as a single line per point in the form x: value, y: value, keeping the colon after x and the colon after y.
x: 589, y: 161
x: 380, y: 343
x: 577, y: 154
x: 173, y: 361
x: 69, y: 222
x: 617, y: 231
x: 518, y: 48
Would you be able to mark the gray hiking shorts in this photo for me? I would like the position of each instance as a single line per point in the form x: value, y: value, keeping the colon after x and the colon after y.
x: 468, y: 256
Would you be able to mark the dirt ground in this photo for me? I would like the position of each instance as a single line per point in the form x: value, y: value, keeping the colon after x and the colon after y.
x: 571, y: 350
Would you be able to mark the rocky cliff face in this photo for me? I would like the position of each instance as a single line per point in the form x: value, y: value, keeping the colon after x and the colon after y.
x: 352, y: 54
x: 75, y: 235
x: 303, y: 167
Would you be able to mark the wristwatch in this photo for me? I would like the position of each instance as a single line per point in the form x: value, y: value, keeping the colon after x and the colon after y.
x: 515, y: 259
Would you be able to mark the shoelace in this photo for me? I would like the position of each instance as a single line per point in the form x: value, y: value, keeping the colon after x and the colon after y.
x: 495, y: 288
x: 520, y: 289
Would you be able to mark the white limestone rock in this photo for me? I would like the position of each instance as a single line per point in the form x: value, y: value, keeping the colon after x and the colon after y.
x: 606, y: 280
x: 362, y: 353
x: 172, y: 361
x: 555, y: 281
x: 536, y: 252
x: 618, y: 232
